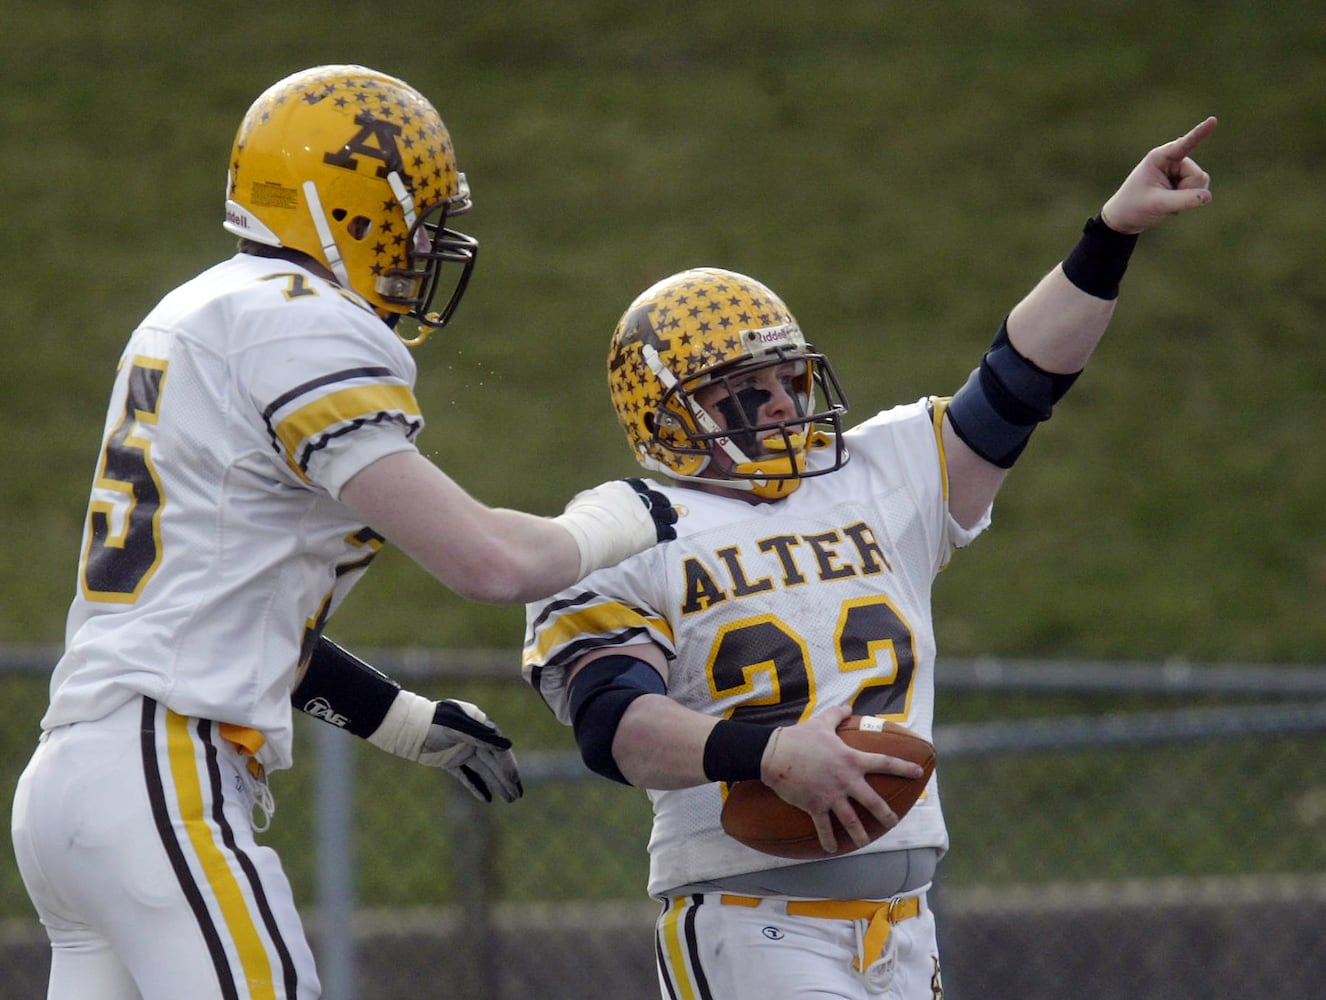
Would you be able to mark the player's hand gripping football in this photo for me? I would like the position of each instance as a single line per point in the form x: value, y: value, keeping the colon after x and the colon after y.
x: 813, y: 769
x: 464, y: 742
x: 1165, y: 183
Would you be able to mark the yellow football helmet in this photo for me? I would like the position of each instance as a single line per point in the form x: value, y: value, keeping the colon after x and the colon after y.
x: 708, y: 326
x: 355, y: 169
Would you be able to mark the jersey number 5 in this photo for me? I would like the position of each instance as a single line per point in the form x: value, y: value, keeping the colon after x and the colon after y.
x: 123, y: 552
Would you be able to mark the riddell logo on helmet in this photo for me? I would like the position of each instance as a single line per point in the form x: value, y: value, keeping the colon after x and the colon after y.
x: 784, y: 333
x: 236, y: 219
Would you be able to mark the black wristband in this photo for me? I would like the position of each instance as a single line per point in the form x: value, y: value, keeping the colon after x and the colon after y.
x: 734, y: 750
x: 340, y: 688
x: 1097, y: 264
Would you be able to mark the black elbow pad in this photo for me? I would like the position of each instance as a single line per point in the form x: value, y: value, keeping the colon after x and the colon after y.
x: 600, y: 694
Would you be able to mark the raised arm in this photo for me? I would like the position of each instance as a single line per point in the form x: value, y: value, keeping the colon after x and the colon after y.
x: 1049, y: 336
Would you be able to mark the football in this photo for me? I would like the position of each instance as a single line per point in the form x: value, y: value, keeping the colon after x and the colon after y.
x: 755, y: 815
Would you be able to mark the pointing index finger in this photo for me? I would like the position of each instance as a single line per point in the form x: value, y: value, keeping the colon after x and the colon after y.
x: 1179, y: 149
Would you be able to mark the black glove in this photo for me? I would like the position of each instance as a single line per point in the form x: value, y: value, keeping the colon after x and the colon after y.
x: 660, y: 509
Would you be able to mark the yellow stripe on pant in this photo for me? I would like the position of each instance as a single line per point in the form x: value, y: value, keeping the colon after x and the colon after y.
x: 675, y: 951
x: 229, y: 896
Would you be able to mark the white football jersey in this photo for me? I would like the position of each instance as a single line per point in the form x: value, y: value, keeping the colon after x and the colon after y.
x: 215, y: 547
x: 771, y: 612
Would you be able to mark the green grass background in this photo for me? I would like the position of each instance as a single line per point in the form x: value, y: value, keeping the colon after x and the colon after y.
x: 900, y: 173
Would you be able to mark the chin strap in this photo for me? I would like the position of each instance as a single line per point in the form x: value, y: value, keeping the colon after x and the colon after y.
x: 406, y: 200
x: 403, y: 195
x: 329, y: 248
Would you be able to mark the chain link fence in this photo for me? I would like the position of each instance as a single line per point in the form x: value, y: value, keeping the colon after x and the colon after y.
x: 1139, y: 831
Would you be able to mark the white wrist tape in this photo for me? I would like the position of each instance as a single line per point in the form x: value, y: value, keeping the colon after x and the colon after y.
x: 608, y: 523
x: 405, y: 726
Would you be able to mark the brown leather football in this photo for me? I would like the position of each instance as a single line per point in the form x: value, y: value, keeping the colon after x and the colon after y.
x: 755, y: 815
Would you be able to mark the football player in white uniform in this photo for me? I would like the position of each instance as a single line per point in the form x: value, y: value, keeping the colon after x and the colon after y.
x: 259, y: 449
x: 798, y: 592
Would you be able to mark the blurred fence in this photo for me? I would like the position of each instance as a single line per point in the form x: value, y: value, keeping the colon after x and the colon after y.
x: 1119, y: 830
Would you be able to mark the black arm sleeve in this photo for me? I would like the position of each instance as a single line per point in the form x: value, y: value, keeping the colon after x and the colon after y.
x: 600, y: 694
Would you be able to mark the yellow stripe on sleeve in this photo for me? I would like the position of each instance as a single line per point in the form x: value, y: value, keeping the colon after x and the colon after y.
x: 599, y: 619
x: 940, y: 407
x: 337, y: 409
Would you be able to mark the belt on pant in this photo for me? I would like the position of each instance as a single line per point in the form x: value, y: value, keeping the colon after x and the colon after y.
x: 882, y: 915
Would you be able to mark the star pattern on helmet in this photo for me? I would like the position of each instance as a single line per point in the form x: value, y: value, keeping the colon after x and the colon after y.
x: 429, y: 169
x: 696, y: 321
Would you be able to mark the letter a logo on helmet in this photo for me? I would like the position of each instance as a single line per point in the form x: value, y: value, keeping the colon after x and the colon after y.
x: 384, y: 149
